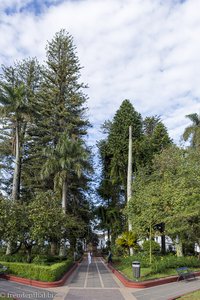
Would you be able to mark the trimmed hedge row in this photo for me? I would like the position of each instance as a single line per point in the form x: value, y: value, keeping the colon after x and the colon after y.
x: 39, y: 272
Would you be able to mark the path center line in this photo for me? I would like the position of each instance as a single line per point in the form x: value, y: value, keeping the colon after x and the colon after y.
x: 86, y: 277
x: 102, y: 284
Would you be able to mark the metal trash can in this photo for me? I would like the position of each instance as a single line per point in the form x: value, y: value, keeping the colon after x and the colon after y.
x: 136, y: 269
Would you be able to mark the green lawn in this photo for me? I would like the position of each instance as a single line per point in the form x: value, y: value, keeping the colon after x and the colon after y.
x: 146, y: 272
x: 191, y: 296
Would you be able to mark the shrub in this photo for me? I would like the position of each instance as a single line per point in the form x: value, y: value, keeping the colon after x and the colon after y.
x: 13, y: 258
x: 155, y: 247
x: 173, y: 262
x: 128, y: 239
x: 38, y: 272
x: 141, y: 257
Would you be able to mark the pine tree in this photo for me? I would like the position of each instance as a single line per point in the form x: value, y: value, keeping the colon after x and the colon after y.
x: 114, y: 159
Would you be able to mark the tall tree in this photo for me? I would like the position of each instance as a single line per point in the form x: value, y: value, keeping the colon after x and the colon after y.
x: 118, y: 139
x: 17, y: 93
x: 65, y: 125
x: 169, y: 194
x: 113, y: 152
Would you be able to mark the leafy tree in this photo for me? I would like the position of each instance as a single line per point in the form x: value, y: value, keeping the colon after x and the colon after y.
x: 170, y: 195
x: 50, y: 224
x: 16, y: 110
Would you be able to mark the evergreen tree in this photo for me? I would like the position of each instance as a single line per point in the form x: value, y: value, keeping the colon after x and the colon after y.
x: 118, y: 141
x: 155, y: 139
x: 114, y: 161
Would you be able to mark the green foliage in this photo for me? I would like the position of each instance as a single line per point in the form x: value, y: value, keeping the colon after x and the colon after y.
x: 114, y: 159
x: 159, y: 263
x: 118, y: 141
x: 13, y: 258
x: 126, y: 261
x: 173, y: 262
x: 154, y: 140
x: 193, y: 131
x: 46, y: 259
x: 169, y: 194
x: 38, y: 272
x: 128, y: 239
x: 155, y: 247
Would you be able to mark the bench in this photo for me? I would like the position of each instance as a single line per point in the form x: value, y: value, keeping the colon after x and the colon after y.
x: 184, y: 273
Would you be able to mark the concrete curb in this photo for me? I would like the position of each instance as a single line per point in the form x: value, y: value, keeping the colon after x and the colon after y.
x: 42, y: 284
x: 145, y: 284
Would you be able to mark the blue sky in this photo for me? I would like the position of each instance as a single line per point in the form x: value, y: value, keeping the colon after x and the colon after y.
x: 146, y: 51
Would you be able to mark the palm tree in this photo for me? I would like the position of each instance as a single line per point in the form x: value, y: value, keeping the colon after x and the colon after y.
x: 68, y: 159
x: 13, y: 108
x: 193, y: 131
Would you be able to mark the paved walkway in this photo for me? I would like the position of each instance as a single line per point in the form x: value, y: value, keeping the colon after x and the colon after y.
x: 96, y: 282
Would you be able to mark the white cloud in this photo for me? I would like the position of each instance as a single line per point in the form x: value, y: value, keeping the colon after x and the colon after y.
x: 146, y: 51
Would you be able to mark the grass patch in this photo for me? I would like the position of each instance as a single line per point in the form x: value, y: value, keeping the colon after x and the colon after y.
x: 191, y: 296
x: 161, y: 267
x: 146, y: 273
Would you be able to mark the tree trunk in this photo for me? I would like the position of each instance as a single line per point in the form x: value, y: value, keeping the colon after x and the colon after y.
x: 179, y: 247
x: 29, y: 252
x: 163, y: 244
x: 9, y: 248
x: 64, y: 196
x: 16, y: 180
x: 129, y: 179
x: 53, y: 248
x: 17, y: 170
x: 62, y: 251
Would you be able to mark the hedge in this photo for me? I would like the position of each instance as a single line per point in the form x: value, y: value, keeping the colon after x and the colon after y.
x: 38, y: 272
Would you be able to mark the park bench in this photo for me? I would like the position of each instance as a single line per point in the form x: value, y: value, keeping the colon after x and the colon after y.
x: 3, y: 269
x: 184, y: 273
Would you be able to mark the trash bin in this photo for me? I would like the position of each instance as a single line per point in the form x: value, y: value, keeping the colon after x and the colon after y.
x: 136, y: 269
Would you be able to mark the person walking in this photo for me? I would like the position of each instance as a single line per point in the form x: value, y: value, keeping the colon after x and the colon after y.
x: 89, y: 258
x: 109, y: 257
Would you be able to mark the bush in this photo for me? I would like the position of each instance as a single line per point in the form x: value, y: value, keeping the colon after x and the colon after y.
x: 38, y: 272
x: 13, y: 258
x: 173, y: 262
x: 141, y: 257
x: 155, y: 247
